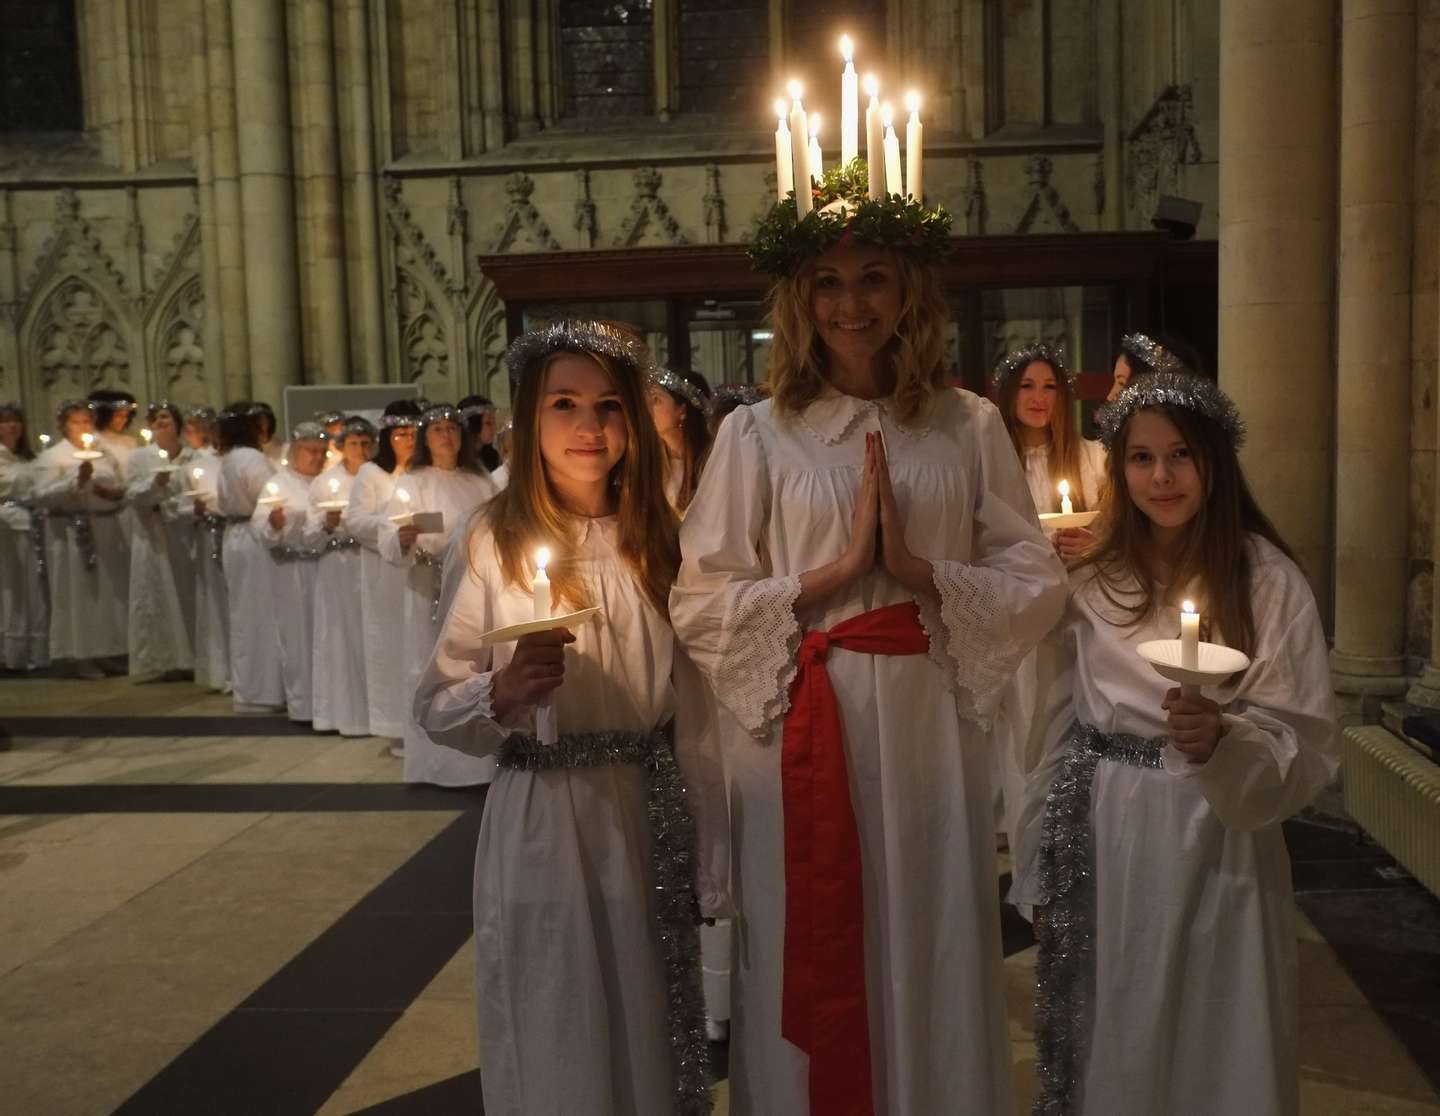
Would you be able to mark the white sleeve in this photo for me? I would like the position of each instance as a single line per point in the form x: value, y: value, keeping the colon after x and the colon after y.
x: 367, y: 510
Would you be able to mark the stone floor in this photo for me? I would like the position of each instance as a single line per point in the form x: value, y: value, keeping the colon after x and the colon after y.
x: 205, y: 913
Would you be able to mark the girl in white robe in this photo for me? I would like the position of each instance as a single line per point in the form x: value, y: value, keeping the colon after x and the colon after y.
x: 1151, y: 846
x: 87, y: 561
x: 162, y: 575
x: 888, y: 997
x: 24, y: 610
x: 339, y: 664
x: 199, y: 475
x: 587, y: 872
x: 443, y: 478
x: 256, y: 680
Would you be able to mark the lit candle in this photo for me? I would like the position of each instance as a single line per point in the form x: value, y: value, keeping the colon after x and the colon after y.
x: 44, y: 441
x: 1189, y: 637
x: 893, y: 184
x: 540, y: 587
x: 334, y: 487
x: 87, y: 440
x: 874, y: 138
x: 403, y: 496
x: 164, y: 456
x: 914, y: 149
x: 196, y: 474
x: 784, y: 172
x: 147, y: 435
x: 271, y: 490
x: 1066, y: 507
x: 800, y: 152
x: 284, y: 461
x: 817, y: 167
x: 849, y: 104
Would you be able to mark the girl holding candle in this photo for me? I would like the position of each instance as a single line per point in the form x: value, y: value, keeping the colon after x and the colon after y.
x: 24, y: 611
x: 445, y: 477
x: 680, y: 408
x: 339, y: 655
x: 1152, y: 847
x: 200, y: 473
x: 114, y: 414
x: 162, y: 570
x: 586, y: 874
x: 882, y: 540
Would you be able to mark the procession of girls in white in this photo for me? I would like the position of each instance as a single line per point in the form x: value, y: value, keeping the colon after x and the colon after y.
x: 835, y: 653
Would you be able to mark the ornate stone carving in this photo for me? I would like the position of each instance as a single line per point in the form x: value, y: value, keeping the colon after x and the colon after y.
x: 650, y: 218
x: 77, y: 341
x: 408, y: 234
x: 179, y: 350
x: 977, y: 208
x: 423, y: 347
x: 457, y: 227
x: 767, y: 203
x: 585, y: 225
x: 714, y: 202
x: 522, y: 229
x: 1158, y: 149
x: 1046, y: 212
x: 74, y: 249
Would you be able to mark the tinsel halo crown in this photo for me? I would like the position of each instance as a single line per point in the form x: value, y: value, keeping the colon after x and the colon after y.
x: 573, y: 335
x: 1017, y: 360
x: 845, y: 212
x: 1171, y: 389
x: 677, y: 384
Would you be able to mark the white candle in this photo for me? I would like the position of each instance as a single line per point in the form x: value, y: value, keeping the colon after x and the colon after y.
x: 540, y: 587
x: 800, y: 152
x: 874, y: 138
x: 1066, y: 507
x: 87, y: 441
x: 164, y: 456
x: 334, y: 487
x: 272, y: 489
x: 44, y: 441
x: 893, y: 184
x: 914, y: 149
x: 817, y: 166
x: 849, y: 104
x: 196, y: 474
x: 147, y: 435
x: 1189, y: 637
x: 784, y: 172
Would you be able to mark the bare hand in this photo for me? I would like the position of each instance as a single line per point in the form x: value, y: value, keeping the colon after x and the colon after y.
x: 162, y: 479
x: 199, y: 508
x: 332, y: 520
x: 859, y: 556
x: 1071, y: 543
x: 408, y: 534
x: 87, y: 470
x: 914, y: 573
x: 537, y: 668
x: 1195, y: 724
x: 277, y: 518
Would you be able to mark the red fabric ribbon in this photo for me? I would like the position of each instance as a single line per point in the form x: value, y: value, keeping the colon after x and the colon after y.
x: 823, y: 1007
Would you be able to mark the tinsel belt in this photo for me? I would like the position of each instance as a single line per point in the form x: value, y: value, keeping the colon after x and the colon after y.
x: 79, y: 522
x: 434, y: 564
x: 37, y: 532
x: 1065, y: 923
x: 672, y: 866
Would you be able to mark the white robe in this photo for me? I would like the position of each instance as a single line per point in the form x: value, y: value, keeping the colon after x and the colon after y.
x: 292, y: 588
x: 255, y: 676
x: 338, y: 674
x: 777, y: 499
x: 88, y: 607
x: 24, y: 609
x: 456, y: 493
x: 569, y: 974
x: 212, y: 609
x: 1195, y: 955
x: 162, y: 574
x: 382, y: 603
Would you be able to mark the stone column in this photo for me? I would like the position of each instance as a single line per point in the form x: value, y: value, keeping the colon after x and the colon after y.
x: 225, y: 173
x: 267, y: 204
x: 1277, y: 234
x: 1377, y: 120
x: 369, y: 354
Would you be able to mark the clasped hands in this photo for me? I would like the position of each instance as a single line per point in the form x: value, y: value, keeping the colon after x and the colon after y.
x: 877, y: 536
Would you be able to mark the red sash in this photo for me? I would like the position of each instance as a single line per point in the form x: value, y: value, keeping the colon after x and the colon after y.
x: 823, y: 1007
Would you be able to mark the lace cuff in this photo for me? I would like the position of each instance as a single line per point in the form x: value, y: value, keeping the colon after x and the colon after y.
x: 970, y: 637
x: 757, y: 657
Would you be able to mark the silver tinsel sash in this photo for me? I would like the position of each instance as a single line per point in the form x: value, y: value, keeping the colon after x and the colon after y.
x: 340, y: 542
x: 432, y: 563
x: 672, y: 864
x: 37, y: 529
x: 214, y: 526
x: 79, y: 522
x: 284, y: 553
x: 1065, y: 925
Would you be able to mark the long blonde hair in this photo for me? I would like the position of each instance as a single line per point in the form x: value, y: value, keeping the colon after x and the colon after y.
x: 1062, y: 432
x: 917, y: 352
x: 527, y: 514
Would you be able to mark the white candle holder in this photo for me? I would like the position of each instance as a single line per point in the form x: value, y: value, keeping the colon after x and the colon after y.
x: 1215, y: 663
x: 511, y: 632
x: 333, y: 505
x: 1068, y: 519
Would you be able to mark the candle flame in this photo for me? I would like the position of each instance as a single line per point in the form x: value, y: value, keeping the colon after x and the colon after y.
x: 402, y: 495
x: 284, y: 461
x: 147, y: 435
x: 872, y: 86
x: 542, y: 559
x: 847, y: 48
x: 814, y: 124
x: 44, y: 439
x: 88, y: 440
x: 781, y: 111
x: 795, y: 89
x: 197, y: 472
x: 1188, y: 607
x: 334, y: 486
x: 164, y: 456
x: 271, y: 488
x: 887, y: 114
x: 912, y: 101
x: 1064, y: 488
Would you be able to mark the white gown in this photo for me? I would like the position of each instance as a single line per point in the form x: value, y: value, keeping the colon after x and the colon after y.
x: 777, y: 499
x: 24, y: 610
x: 89, y: 605
x: 1195, y: 956
x: 455, y: 493
x: 338, y: 674
x: 162, y: 574
x: 212, y: 608
x: 569, y: 976
x: 255, y: 676
x: 293, y: 570
x: 382, y: 603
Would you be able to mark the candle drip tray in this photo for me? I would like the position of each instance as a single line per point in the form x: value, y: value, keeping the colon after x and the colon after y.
x: 1074, y: 519
x: 512, y: 632
x: 1215, y: 663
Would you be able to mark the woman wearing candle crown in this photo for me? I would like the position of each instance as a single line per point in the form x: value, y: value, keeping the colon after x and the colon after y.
x: 587, y: 962
x: 1151, y: 844
x: 883, y: 541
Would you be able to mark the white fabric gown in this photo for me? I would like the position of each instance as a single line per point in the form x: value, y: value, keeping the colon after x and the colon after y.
x: 292, y: 587
x: 569, y: 978
x: 24, y: 610
x: 255, y: 675
x: 1195, y: 953
x: 162, y: 574
x: 212, y: 608
x: 89, y: 607
x: 456, y: 493
x: 338, y: 674
x: 382, y: 603
x: 777, y: 499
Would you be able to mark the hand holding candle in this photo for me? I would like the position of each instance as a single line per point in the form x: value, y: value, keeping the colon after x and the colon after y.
x: 547, y: 728
x: 1189, y: 637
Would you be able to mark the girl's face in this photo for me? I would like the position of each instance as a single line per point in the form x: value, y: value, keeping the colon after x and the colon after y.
x: 1120, y: 377
x: 1035, y: 399
x: 666, y: 410
x: 78, y: 422
x: 1160, y: 472
x: 195, y: 434
x: 120, y: 419
x: 308, y: 457
x: 10, y: 430
x: 855, y: 301
x: 582, y: 424
x: 442, y: 439
x: 166, y: 436
x: 356, y: 450
x: 487, y: 428
x: 402, y: 441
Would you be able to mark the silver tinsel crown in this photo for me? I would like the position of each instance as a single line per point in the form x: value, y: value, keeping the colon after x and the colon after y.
x: 1143, y: 348
x: 677, y: 384
x: 357, y: 424
x: 441, y: 412
x: 326, y: 418
x: 1171, y: 389
x: 573, y: 336
x: 477, y: 409
x: 200, y: 414
x: 309, y: 432
x: 72, y: 405
x: 389, y: 422
x: 1013, y: 363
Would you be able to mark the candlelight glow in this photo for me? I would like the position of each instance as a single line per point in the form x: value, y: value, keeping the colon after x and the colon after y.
x: 542, y: 558
x: 912, y: 101
x: 887, y: 114
x: 1187, y: 606
x: 197, y: 473
x: 87, y: 440
x: 847, y: 48
x: 795, y: 88
x: 872, y: 85
x: 814, y: 125
x: 780, y: 110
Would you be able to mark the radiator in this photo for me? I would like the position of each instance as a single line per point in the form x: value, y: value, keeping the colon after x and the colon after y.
x: 1393, y: 792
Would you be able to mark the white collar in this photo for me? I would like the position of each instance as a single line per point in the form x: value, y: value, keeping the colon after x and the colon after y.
x: 832, y: 416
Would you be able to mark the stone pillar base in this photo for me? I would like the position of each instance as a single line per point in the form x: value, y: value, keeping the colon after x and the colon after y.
x: 1368, y: 677
x: 1425, y: 691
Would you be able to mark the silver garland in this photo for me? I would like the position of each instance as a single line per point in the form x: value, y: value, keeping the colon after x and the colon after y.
x: 390, y: 422
x: 435, y: 565
x: 79, y: 522
x: 573, y: 336
x: 215, y: 526
x: 1015, y: 362
x: 285, y: 553
x: 1065, y: 923
x: 71, y: 405
x: 442, y: 412
x: 340, y: 542
x: 672, y: 864
x: 1166, y: 389
x: 309, y: 432
x: 477, y: 409
x: 1160, y: 359
x: 677, y: 384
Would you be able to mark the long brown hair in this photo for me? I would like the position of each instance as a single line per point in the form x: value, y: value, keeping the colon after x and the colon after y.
x: 917, y: 352
x: 1214, y: 560
x: 527, y: 514
x: 695, y: 433
x: 1063, y: 432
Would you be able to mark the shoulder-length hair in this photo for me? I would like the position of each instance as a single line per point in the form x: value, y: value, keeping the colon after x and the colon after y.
x: 385, y: 454
x: 917, y: 351
x: 467, y: 459
x: 22, y: 446
x: 238, y: 425
x: 1063, y: 432
x: 1215, y: 556
x: 528, y: 514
